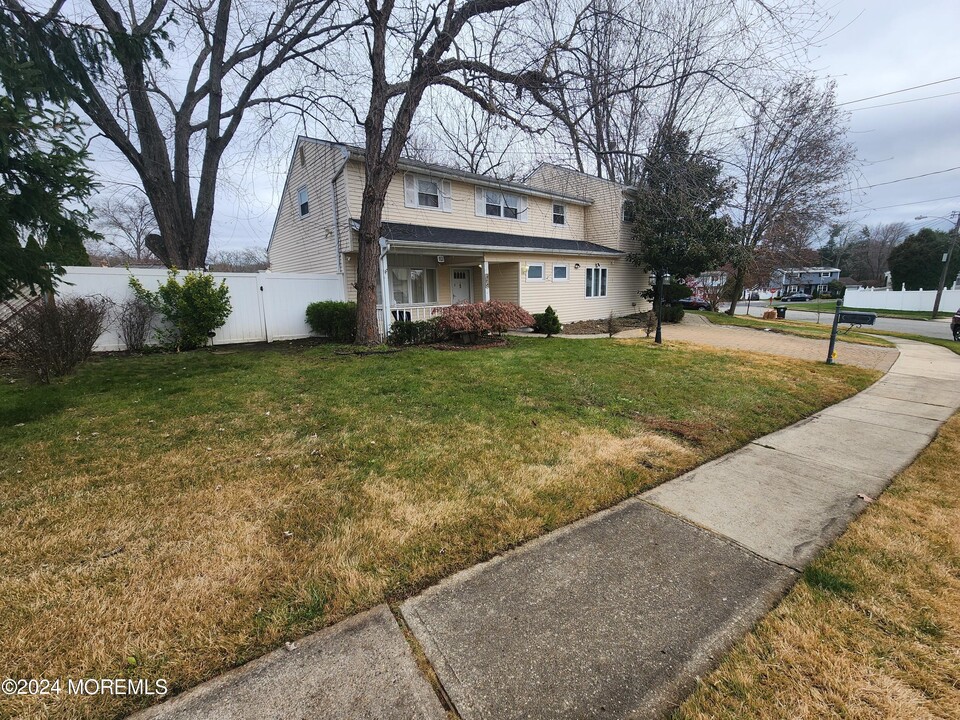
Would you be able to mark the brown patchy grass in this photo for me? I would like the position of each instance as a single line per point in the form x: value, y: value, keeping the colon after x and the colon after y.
x: 873, y: 629
x: 173, y: 516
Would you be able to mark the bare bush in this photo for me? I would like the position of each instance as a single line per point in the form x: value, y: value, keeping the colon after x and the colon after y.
x: 134, y: 321
x: 48, y: 340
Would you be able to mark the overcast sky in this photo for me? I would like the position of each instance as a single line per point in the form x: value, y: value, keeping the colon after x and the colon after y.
x: 888, y: 45
x: 872, y: 48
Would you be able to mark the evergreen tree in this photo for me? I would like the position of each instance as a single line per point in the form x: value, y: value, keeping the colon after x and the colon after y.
x: 43, y: 179
x: 918, y: 261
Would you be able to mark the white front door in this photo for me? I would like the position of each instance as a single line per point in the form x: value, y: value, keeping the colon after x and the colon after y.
x: 461, y: 285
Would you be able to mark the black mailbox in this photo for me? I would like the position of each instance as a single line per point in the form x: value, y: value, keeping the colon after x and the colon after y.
x: 853, y: 317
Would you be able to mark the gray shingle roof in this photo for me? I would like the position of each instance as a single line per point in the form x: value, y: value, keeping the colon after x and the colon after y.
x: 478, y: 239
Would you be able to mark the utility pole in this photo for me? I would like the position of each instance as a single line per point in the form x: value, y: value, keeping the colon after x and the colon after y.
x: 946, y: 267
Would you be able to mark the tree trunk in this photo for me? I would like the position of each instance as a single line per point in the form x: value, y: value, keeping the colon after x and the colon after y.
x: 368, y: 262
x: 739, y: 280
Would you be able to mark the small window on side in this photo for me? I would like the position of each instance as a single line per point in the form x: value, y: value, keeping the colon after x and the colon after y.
x: 304, y: 201
x: 559, y: 214
x: 535, y: 272
x: 560, y: 273
x: 629, y: 211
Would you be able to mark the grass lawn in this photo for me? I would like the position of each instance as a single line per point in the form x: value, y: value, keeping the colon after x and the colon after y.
x: 873, y: 628
x: 829, y: 306
x: 799, y: 328
x: 951, y: 345
x: 171, y: 516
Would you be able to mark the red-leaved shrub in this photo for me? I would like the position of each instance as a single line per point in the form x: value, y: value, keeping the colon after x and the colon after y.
x: 475, y: 319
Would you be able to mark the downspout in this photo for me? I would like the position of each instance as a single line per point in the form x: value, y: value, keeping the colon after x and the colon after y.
x: 336, y: 215
x: 385, y: 286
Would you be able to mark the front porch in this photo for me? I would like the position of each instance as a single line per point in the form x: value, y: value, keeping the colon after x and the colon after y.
x: 420, y: 285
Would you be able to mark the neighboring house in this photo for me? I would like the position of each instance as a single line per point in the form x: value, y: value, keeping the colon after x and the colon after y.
x: 560, y: 238
x: 809, y: 280
x: 849, y: 283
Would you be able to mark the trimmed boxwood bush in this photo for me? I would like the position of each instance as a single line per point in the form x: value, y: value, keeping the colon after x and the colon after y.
x: 672, y: 313
x: 419, y: 332
x: 333, y: 319
x: 547, y: 322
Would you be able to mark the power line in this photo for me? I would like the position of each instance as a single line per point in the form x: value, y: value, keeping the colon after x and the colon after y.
x: 912, y: 177
x: 896, y: 92
x: 916, y: 202
x: 903, y: 102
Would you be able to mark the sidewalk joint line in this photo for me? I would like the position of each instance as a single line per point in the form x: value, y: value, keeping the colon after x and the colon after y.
x: 693, y: 523
x: 426, y: 668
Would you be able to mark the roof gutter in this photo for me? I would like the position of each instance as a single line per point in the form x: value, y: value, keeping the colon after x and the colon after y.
x: 448, y: 249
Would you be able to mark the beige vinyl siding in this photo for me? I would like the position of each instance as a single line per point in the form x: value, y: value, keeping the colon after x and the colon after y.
x: 307, y: 243
x: 463, y: 214
x: 603, y: 223
x: 504, y: 281
x: 624, y: 283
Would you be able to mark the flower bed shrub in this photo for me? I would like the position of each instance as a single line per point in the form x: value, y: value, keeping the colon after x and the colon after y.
x: 470, y: 321
x: 547, y: 322
x: 420, y: 332
x: 336, y: 320
x: 192, y: 309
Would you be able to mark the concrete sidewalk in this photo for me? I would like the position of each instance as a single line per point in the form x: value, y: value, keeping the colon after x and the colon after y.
x: 616, y: 615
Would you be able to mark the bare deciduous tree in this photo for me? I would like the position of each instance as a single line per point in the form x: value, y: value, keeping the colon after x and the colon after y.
x: 411, y: 49
x: 792, y: 167
x: 173, y: 125
x: 126, y: 223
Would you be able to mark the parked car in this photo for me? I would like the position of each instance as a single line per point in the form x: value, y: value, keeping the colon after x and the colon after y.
x: 955, y: 325
x: 694, y: 303
x: 796, y: 297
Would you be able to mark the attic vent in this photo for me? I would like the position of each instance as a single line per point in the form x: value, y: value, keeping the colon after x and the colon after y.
x: 303, y: 157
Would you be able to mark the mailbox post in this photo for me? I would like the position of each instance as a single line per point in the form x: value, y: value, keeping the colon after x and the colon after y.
x: 833, y: 333
x: 853, y: 317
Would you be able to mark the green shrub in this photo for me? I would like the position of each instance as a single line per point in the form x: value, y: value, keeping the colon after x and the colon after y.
x: 420, y: 332
x: 547, y: 323
x: 672, y: 313
x: 333, y: 319
x: 192, y: 309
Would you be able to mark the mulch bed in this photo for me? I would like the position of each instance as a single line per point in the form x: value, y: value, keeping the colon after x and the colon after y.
x: 599, y: 327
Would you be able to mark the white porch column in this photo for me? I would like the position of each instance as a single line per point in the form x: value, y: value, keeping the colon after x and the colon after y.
x: 486, y: 281
x: 385, y: 287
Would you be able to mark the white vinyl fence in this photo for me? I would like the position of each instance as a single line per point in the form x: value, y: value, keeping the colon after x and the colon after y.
x: 266, y: 306
x: 901, y: 299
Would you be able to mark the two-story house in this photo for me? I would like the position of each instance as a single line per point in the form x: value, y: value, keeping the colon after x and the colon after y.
x: 559, y: 238
x: 809, y: 280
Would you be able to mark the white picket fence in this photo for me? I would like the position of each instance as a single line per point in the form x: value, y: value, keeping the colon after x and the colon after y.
x: 267, y: 306
x: 901, y: 299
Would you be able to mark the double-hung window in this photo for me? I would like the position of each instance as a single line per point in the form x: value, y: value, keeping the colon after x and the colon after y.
x: 428, y: 193
x: 559, y: 214
x: 503, y: 205
x: 303, y: 199
x: 596, y: 282
x: 629, y: 211
x: 413, y: 286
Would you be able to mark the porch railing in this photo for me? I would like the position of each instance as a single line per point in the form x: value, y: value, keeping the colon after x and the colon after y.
x: 412, y: 313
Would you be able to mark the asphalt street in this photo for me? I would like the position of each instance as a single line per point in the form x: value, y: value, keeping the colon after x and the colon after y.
x: 927, y: 328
